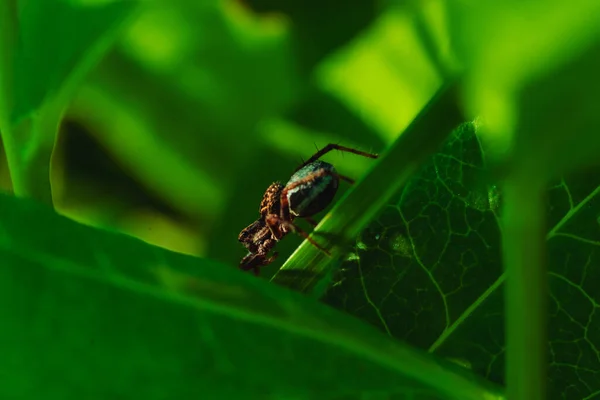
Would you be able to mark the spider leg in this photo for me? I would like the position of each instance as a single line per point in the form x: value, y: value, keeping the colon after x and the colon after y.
x: 289, y: 226
x: 266, y: 261
x: 254, y: 261
x: 302, y: 233
x: 345, y: 178
x: 276, y: 232
x: 333, y: 146
x: 295, y: 228
x: 311, y: 221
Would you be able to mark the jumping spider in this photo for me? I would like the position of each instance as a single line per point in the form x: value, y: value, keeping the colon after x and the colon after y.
x: 310, y: 189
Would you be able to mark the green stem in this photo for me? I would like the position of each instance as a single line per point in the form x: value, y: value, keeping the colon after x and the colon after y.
x: 526, y: 289
x: 28, y: 146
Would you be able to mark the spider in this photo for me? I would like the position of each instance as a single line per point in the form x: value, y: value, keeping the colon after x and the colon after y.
x: 310, y: 189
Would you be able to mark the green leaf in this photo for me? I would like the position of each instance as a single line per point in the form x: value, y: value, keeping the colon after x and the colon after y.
x: 57, y: 39
x: 210, y: 59
x: 49, y: 48
x: 96, y: 315
x: 532, y: 77
x: 8, y: 21
x: 532, y: 71
x: 428, y: 269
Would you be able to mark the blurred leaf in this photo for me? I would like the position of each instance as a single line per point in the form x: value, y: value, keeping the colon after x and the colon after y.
x: 558, y: 119
x: 428, y: 270
x: 225, y: 62
x: 7, y: 43
x: 55, y: 43
x: 99, y: 315
x: 187, y: 85
x: 512, y: 40
x: 532, y: 77
x: 384, y: 76
x: 314, y: 34
x: 60, y: 41
x: 323, y: 112
x: 533, y: 80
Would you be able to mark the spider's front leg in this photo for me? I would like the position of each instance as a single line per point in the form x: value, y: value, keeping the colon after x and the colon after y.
x: 284, y: 227
x: 333, y: 146
x: 254, y: 261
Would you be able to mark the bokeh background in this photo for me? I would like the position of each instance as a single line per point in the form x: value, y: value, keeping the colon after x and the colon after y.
x: 199, y: 106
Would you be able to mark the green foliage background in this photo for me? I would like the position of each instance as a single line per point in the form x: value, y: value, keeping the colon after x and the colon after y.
x: 166, y: 121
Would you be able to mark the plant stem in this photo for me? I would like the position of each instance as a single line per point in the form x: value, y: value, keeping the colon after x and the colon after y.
x: 29, y: 167
x: 526, y: 290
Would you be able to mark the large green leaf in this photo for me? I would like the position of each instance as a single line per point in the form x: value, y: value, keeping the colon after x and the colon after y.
x: 223, y: 70
x: 48, y: 48
x: 57, y: 40
x: 428, y: 270
x: 96, y: 315
x: 532, y: 76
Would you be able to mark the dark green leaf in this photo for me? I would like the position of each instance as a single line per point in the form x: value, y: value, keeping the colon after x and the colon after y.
x: 428, y: 270
x: 96, y: 315
x: 56, y: 39
x: 49, y: 48
x: 532, y: 77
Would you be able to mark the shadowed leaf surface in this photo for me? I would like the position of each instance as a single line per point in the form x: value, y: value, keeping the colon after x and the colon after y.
x: 55, y: 38
x: 428, y: 270
x: 49, y: 47
x: 96, y: 315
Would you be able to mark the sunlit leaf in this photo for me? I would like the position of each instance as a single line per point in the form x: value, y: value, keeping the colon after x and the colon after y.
x: 532, y: 78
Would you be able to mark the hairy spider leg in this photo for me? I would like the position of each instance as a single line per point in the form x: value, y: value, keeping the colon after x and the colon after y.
x: 333, y: 146
x: 311, y: 221
x: 265, y: 262
x: 254, y: 261
x: 345, y: 178
x: 274, y: 220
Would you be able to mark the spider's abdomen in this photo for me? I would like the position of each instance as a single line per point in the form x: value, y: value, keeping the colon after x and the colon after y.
x: 317, y: 184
